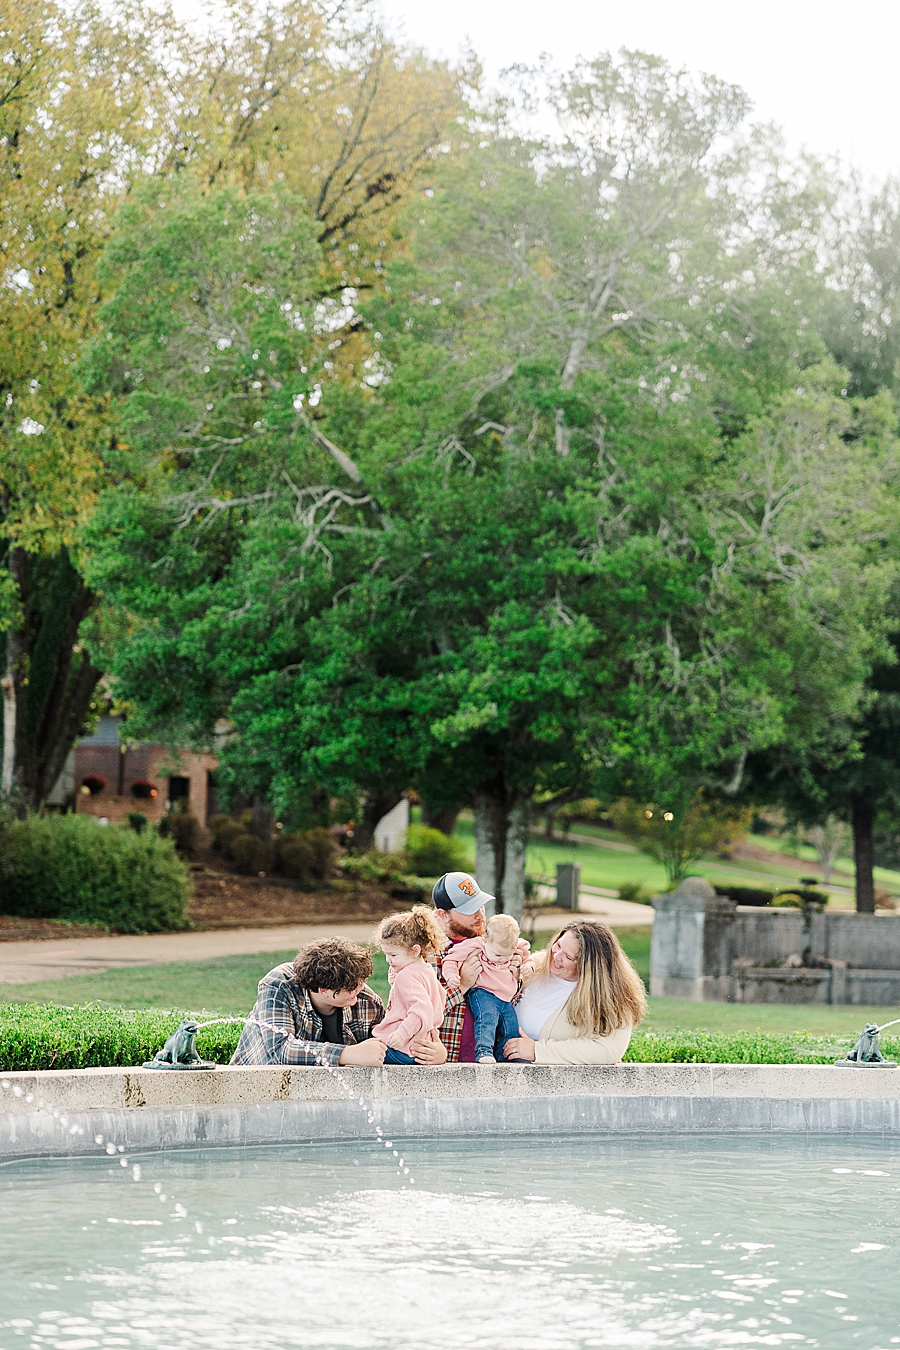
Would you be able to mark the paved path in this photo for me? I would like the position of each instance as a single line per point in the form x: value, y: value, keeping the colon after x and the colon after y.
x: 603, y: 904
x: 27, y: 962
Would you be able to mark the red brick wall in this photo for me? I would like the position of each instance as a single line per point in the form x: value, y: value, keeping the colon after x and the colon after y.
x: 146, y: 762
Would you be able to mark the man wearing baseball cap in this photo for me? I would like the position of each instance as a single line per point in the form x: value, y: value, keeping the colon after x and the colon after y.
x: 459, y: 902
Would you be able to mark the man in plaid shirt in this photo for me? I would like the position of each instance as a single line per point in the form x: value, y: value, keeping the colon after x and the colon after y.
x: 316, y: 1009
x: 459, y: 902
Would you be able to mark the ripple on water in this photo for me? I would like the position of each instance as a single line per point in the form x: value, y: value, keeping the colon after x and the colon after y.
x: 545, y: 1245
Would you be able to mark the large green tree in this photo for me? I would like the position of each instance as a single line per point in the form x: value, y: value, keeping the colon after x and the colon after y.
x: 72, y: 101
x: 305, y: 98
x: 494, y: 531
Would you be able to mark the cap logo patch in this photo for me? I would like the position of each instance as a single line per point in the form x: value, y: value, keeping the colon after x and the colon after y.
x: 467, y: 887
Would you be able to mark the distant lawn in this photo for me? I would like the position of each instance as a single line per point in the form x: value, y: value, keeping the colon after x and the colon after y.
x: 225, y: 985
x: 611, y: 868
x: 669, y: 1014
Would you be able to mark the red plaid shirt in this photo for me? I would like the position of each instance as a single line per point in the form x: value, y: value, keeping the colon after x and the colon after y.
x: 454, y: 1011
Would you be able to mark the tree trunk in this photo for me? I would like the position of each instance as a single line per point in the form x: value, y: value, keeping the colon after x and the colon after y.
x: 9, y: 733
x: 445, y: 821
x: 263, y: 820
x: 502, y: 823
x: 517, y: 830
x: 488, y: 809
x: 864, y: 853
x: 377, y: 804
x: 49, y: 680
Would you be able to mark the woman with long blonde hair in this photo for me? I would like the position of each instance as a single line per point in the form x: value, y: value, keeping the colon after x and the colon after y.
x: 583, y: 1001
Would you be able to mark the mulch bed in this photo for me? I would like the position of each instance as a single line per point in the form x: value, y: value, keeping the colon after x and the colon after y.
x: 226, y: 900
x: 14, y: 929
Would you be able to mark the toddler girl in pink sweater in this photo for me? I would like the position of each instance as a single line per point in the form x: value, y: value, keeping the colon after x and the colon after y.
x: 415, y: 1007
x: 505, y: 957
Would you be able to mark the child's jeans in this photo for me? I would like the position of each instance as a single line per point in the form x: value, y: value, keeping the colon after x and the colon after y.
x: 392, y: 1056
x: 495, y: 1022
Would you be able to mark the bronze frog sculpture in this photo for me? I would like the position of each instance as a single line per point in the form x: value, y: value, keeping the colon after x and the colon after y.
x: 180, y: 1050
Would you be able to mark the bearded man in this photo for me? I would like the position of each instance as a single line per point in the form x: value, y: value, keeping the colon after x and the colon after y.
x: 459, y: 902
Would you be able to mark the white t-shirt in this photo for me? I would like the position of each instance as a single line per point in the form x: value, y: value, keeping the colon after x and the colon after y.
x: 540, y: 1000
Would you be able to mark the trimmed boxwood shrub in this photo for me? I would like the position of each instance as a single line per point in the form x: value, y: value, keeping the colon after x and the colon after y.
x: 251, y: 855
x: 430, y: 853
x: 72, y: 868
x: 43, y: 1036
x: 183, y: 828
x: 309, y: 856
x: 747, y: 895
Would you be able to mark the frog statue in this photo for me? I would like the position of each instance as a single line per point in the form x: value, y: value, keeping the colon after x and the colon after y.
x: 865, y: 1052
x: 180, y: 1050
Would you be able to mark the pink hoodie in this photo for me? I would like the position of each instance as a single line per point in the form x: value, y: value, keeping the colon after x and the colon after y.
x: 415, y: 1008
x: 496, y: 976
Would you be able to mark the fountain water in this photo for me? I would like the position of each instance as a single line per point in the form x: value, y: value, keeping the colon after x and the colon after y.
x: 180, y: 1052
x: 402, y: 1168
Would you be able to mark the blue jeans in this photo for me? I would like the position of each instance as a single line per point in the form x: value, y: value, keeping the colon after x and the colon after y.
x: 397, y: 1057
x: 495, y: 1022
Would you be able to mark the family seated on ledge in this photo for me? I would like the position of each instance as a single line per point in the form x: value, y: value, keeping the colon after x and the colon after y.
x: 464, y: 989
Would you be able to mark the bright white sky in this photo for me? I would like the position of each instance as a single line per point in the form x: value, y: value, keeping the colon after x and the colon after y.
x: 825, y: 72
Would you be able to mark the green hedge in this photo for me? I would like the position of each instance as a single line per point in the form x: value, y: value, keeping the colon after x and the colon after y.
x: 43, y: 1036
x: 742, y: 1047
x: 69, y: 867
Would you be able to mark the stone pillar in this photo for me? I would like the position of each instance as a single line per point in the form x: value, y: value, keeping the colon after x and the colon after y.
x: 691, y: 947
x: 568, y: 884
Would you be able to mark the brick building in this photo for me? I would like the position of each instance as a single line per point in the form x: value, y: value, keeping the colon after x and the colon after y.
x: 174, y: 774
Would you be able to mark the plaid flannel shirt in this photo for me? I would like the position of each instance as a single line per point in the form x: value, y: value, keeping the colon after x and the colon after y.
x: 294, y: 1030
x: 454, y: 1010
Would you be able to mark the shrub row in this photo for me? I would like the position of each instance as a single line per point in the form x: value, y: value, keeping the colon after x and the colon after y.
x: 308, y: 856
x: 44, y: 1036
x: 72, y: 868
x: 741, y: 1047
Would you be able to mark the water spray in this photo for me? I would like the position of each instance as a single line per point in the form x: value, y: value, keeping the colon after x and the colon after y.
x: 180, y: 1052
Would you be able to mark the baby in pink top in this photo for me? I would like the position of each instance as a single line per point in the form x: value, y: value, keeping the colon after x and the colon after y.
x: 505, y: 958
x: 415, y: 1007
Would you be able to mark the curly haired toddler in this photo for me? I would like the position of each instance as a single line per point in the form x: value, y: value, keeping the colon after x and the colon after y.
x: 415, y: 1008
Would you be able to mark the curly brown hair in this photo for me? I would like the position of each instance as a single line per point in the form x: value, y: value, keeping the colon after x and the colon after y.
x: 334, y: 964
x: 418, y: 927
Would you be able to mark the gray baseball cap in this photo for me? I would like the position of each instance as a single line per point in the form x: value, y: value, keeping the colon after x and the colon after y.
x: 459, y: 891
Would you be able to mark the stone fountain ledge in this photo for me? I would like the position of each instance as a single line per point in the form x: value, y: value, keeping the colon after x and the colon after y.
x: 146, y: 1110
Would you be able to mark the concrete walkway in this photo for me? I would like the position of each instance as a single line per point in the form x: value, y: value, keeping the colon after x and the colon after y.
x: 28, y: 962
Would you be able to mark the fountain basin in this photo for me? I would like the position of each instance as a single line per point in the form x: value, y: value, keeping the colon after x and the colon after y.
x: 142, y: 1109
x: 546, y: 1244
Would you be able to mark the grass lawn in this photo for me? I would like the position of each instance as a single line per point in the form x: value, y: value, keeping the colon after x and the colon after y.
x: 611, y: 868
x: 671, y: 1014
x: 228, y: 985
x: 225, y: 985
